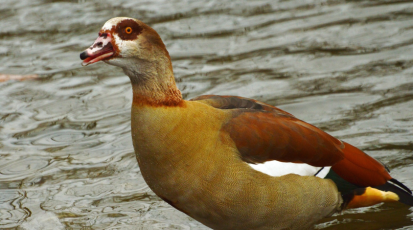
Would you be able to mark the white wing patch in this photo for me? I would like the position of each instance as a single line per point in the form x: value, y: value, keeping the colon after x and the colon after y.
x: 277, y: 168
x: 323, y: 172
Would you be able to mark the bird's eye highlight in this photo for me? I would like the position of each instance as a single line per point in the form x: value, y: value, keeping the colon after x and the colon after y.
x: 128, y: 30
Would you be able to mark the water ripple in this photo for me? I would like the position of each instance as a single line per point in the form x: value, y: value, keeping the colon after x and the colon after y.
x: 66, y: 155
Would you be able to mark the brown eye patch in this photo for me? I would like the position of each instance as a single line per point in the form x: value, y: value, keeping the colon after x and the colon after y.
x: 128, y: 29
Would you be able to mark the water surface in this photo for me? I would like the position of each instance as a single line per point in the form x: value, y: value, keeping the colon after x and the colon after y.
x: 66, y: 156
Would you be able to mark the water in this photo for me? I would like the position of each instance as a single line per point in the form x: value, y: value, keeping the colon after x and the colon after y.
x: 66, y: 156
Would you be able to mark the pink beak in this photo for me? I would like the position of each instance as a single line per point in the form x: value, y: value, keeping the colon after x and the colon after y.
x: 101, y: 49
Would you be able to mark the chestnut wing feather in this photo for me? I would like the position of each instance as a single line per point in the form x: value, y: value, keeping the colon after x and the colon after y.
x: 262, y: 132
x: 262, y: 135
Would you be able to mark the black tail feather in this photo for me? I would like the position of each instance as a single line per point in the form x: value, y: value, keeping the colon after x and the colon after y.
x: 401, y: 185
x: 404, y: 193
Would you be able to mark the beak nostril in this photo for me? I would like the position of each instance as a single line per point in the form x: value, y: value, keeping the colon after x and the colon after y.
x: 100, y: 44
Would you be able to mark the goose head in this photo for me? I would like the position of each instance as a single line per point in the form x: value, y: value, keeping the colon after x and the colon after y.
x: 125, y: 42
x: 138, y: 49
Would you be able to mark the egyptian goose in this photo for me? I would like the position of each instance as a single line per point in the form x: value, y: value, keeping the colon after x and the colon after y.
x: 232, y: 162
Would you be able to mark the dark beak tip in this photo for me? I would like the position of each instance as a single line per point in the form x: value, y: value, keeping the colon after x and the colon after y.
x: 83, y: 55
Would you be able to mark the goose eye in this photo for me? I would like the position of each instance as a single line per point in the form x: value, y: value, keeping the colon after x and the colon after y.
x: 128, y: 30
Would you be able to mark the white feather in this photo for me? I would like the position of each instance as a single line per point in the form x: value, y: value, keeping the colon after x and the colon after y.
x: 323, y: 173
x: 277, y: 168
